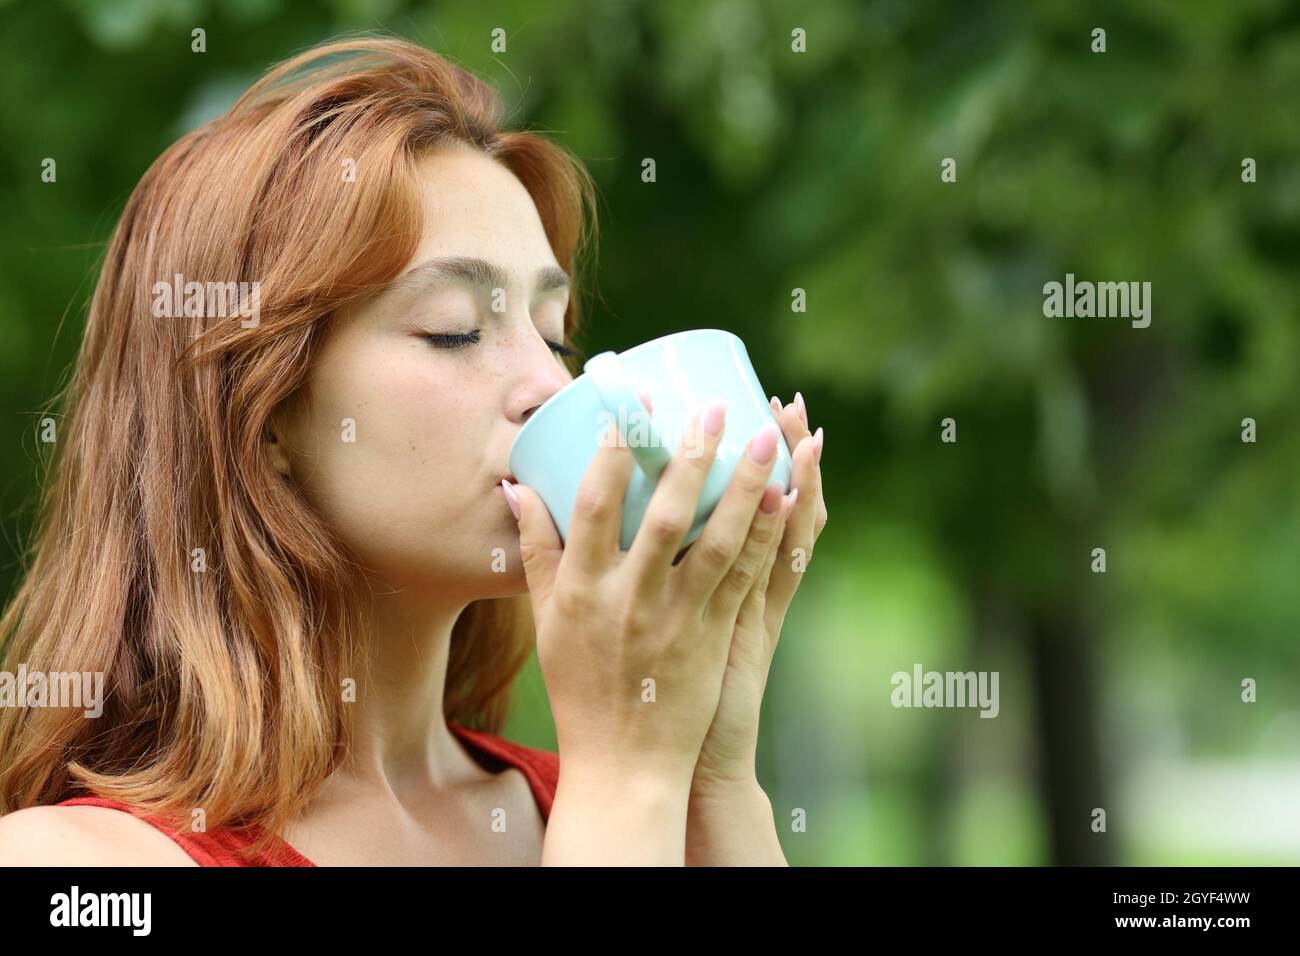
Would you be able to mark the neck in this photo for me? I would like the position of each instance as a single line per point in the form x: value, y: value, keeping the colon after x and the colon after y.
x: 401, y: 742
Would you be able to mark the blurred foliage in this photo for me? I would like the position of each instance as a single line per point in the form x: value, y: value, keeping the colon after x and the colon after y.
x: 820, y: 170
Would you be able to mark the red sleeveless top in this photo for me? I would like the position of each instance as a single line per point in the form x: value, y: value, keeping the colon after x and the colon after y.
x: 221, y: 847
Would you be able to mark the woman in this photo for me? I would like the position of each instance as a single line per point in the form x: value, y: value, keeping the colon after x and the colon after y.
x: 277, y: 530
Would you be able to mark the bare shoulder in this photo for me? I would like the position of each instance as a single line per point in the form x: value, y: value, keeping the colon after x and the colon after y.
x: 84, y: 836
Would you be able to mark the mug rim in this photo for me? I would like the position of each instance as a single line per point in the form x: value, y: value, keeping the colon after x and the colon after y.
x: 556, y: 398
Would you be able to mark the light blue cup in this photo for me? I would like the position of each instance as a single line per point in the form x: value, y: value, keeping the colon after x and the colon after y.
x: 679, y: 373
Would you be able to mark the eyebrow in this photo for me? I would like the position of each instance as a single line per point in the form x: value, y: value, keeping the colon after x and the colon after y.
x: 472, y: 271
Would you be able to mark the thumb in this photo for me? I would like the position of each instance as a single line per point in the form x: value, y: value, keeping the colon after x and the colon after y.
x: 539, y: 544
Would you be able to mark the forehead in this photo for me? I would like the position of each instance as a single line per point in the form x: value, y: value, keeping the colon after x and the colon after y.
x: 474, y: 206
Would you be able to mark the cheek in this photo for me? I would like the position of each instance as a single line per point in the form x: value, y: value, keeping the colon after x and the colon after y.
x: 395, y: 453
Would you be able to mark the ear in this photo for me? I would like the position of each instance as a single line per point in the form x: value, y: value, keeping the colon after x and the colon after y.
x: 277, y: 450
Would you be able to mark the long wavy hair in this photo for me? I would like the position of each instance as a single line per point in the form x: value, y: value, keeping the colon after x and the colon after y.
x: 222, y: 689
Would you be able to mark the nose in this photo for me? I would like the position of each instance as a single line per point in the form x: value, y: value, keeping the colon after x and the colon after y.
x: 543, y: 375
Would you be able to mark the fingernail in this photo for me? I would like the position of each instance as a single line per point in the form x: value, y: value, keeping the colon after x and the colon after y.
x: 776, y: 405
x: 791, y: 498
x: 763, y: 447
x: 771, y: 499
x: 713, y: 417
x: 803, y: 409
x: 511, y: 499
x: 817, y: 443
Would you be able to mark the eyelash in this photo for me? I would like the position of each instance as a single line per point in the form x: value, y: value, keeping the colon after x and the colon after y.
x: 461, y: 339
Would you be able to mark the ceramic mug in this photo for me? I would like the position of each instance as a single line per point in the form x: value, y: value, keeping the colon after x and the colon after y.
x: 679, y: 373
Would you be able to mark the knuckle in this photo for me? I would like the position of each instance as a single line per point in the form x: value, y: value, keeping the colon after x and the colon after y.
x: 666, y: 525
x: 634, y: 622
x: 698, y: 449
x: 762, y: 532
x: 529, y: 555
x: 697, y: 455
x: 741, y: 575
x: 593, y: 502
x: 718, y: 551
x: 751, y: 478
x: 572, y: 603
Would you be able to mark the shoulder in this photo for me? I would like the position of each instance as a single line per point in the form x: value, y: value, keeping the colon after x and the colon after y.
x: 542, y: 767
x: 544, y: 761
x: 545, y: 758
x: 503, y: 747
x: 84, y: 836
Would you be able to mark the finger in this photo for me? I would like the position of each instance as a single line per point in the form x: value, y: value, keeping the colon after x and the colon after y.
x: 671, y: 511
x: 724, y: 604
x: 750, y: 646
x: 713, y: 554
x: 597, y: 516
x: 797, y: 543
x: 539, y: 543
x: 793, y: 426
x: 819, y: 522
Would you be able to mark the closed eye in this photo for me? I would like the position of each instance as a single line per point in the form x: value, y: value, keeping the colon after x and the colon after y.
x: 459, y: 340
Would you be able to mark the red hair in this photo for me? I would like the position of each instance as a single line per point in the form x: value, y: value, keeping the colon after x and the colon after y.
x: 223, y: 688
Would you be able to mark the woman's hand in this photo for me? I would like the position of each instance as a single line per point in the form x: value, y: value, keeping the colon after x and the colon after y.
x: 633, y: 647
x: 729, y: 818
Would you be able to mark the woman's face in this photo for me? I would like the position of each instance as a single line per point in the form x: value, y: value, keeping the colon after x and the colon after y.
x: 438, y: 373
